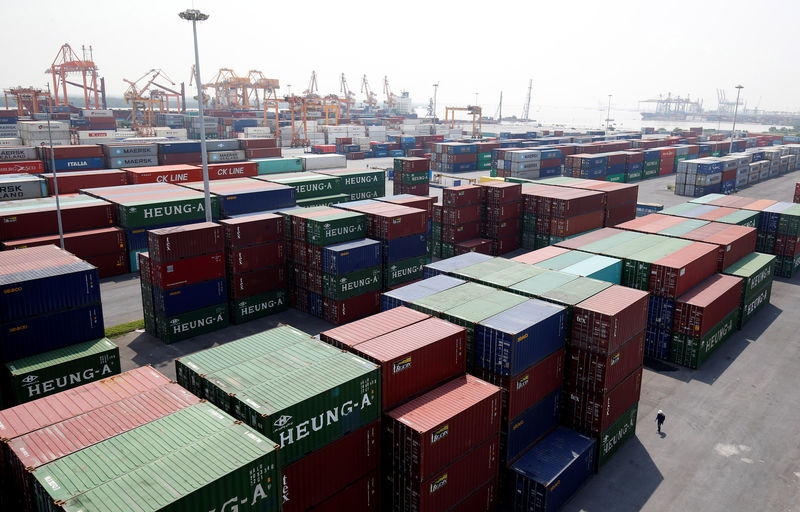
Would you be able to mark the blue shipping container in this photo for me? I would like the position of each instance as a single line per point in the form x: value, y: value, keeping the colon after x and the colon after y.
x: 179, y: 147
x: 454, y: 263
x: 76, y: 164
x: 222, y: 145
x: 513, y: 340
x: 536, y: 422
x: 315, y: 304
x: 602, y: 268
x: 31, y: 293
x: 348, y: 257
x: 564, y: 457
x: 26, y: 337
x: 190, y: 297
x: 657, y: 342
x: 405, y: 247
x: 239, y: 203
x: 660, y: 312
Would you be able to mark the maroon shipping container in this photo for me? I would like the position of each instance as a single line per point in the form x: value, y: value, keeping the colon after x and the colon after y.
x: 371, y: 327
x: 787, y: 245
x: 308, y: 277
x: 621, y: 213
x: 568, y: 226
x: 344, y: 311
x: 437, y: 213
x: 426, y: 434
x: 172, y: 274
x: 462, y: 233
x: 164, y: 174
x: 180, y: 159
x: 446, y: 488
x: 77, y: 151
x: 416, y: 358
x: 591, y: 412
x: 258, y: 143
x: 362, y: 495
x: 539, y: 255
x: 423, y: 203
x: 501, y: 192
x: 520, y: 393
x: 590, y: 371
x: 73, y: 182
x: 42, y: 446
x: 310, y: 480
x: 231, y: 170
x: 414, y: 164
x: 461, y: 195
x: 480, y: 245
x: 22, y: 167
x: 177, y: 242
x: 80, y: 243
x: 676, y: 274
x: 460, y: 158
x: 461, y: 215
x: 262, y: 153
x: 416, y: 190
x: 733, y: 242
x: 109, y: 265
x: 483, y: 500
x: 504, y: 211
x: 252, y: 230
x: 32, y: 222
x: 603, y: 322
x: 502, y: 229
x: 705, y: 305
x: 256, y: 256
x: 388, y: 222
x: 257, y: 282
x: 505, y: 245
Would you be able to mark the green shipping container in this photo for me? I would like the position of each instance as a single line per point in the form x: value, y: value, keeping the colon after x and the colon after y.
x: 508, y: 277
x: 180, y: 209
x: 742, y: 218
x: 437, y: 231
x: 565, y: 260
x: 309, y: 185
x: 436, y: 250
x: 58, y: 370
x: 191, y: 324
x: 528, y: 222
x: 755, y: 303
x: 650, y: 165
x: 478, y: 270
x: 470, y: 313
x: 448, y: 250
x: 338, y: 396
x: 415, y: 178
x: 636, y: 267
x: 786, y: 266
x: 190, y: 369
x: 360, y: 195
x: 528, y: 241
x: 756, y: 270
x: 544, y: 282
x: 634, y: 175
x: 448, y: 299
x: 359, y: 179
x: 542, y: 240
x: 692, y: 352
x: 197, y: 458
x: 789, y: 221
x: 485, y: 166
x: 258, y: 306
x: 573, y: 292
x: 616, y: 178
x: 485, y: 157
x: 649, y: 173
x: 684, y: 227
x: 279, y: 165
x: 335, y: 228
x: 350, y: 285
x: 616, y: 435
x: 323, y: 201
x: 404, y: 271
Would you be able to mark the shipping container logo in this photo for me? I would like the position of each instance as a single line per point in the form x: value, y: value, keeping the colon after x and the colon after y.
x: 615, y: 359
x: 438, y: 483
x: 29, y: 379
x: 521, y: 383
x: 403, y: 364
x: 282, y: 421
x: 440, y: 433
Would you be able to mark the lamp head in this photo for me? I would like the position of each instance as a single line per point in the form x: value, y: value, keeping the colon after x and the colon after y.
x: 193, y: 15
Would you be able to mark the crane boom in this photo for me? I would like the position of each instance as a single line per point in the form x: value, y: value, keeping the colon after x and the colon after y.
x: 527, y: 108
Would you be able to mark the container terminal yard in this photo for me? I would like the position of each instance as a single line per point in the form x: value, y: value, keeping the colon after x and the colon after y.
x: 220, y: 295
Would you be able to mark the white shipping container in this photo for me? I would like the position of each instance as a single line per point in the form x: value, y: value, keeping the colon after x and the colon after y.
x: 10, y: 154
x: 124, y: 134
x: 41, y: 126
x: 172, y: 133
x: 255, y: 132
x: 226, y: 156
x: 132, y: 161
x: 328, y: 161
x: 96, y: 113
x: 90, y: 136
x: 21, y: 186
x: 47, y: 142
x: 10, y: 141
x: 528, y: 175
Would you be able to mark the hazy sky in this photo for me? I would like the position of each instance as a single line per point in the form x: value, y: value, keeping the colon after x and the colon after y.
x: 576, y: 52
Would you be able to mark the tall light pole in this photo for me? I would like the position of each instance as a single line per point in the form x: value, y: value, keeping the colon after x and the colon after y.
x: 608, y: 113
x: 735, y: 111
x: 55, y: 173
x: 435, y: 90
x: 194, y: 16
x: 476, y: 99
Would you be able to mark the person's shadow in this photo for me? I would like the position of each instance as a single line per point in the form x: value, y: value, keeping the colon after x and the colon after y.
x: 662, y: 434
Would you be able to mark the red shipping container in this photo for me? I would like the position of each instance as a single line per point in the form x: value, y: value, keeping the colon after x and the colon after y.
x: 73, y: 182
x: 344, y: 140
x: 262, y: 153
x: 666, y: 165
x: 109, y: 265
x: 705, y: 305
x: 590, y: 412
x: 504, y: 211
x: 423, y: 203
x: 501, y: 192
x: 502, y: 229
x: 310, y: 481
x: 397, y: 223
x: 549, y: 163
x: 667, y: 153
x: 77, y: 151
x: 461, y: 195
x: 362, y: 495
x: 231, y: 170
x: 443, y: 490
x: 539, y: 255
x: 729, y: 175
x: 483, y: 500
x: 192, y: 270
x: 256, y: 282
x: 22, y: 167
x: 505, y: 245
x: 31, y: 222
x: 479, y: 245
x: 54, y: 441
x: 618, y: 214
x: 426, y: 434
x: 165, y: 174
x: 79, y: 243
x: 460, y: 158
x: 344, y: 311
x: 416, y: 358
x: 567, y: 226
x: 461, y: 215
x: 414, y: 164
x: 616, y: 193
x: 416, y: 190
x: 252, y: 230
x: 787, y: 245
x: 733, y: 242
x: 174, y: 243
x: 371, y: 327
x: 603, y: 322
x: 257, y: 143
x: 456, y: 234
x: 180, y: 158
x: 674, y: 275
x: 256, y: 256
x: 528, y: 388
x: 590, y: 371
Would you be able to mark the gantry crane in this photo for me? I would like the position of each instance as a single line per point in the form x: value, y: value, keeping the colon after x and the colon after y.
x: 477, y: 121
x: 31, y: 99
x: 372, y: 98
x: 298, y: 107
x: 311, y: 91
x: 146, y: 99
x: 68, y: 63
x: 526, y: 109
x: 268, y: 87
x: 391, y: 98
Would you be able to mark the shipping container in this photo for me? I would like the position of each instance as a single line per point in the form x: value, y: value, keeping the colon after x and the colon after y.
x: 178, y: 242
x: 592, y: 411
x: 251, y: 230
x: 351, y: 256
x: 612, y: 439
x: 404, y: 295
x: 190, y: 297
x: 426, y: 434
x: 455, y: 263
x: 515, y: 339
x: 508, y: 277
x: 705, y: 305
x: 605, y: 321
x: 755, y: 269
x: 693, y: 352
x: 243, y: 195
x: 363, y: 494
x: 601, y: 372
x: 546, y: 476
x: 37, y: 217
x: 371, y: 327
x: 256, y: 256
x: 542, y: 283
x: 192, y: 323
x: 14, y: 187
x: 258, y: 306
x: 677, y: 273
x: 344, y: 311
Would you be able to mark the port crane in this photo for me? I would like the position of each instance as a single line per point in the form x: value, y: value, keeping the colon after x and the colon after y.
x: 68, y: 63
x: 146, y: 99
x: 391, y: 98
x: 312, y: 89
x: 31, y: 99
x: 372, y: 98
x: 526, y: 110
x: 268, y: 89
x: 477, y: 119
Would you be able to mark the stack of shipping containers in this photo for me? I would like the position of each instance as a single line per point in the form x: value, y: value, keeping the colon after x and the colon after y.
x: 360, y: 184
x: 52, y: 325
x: 424, y: 203
x: 411, y: 176
x: 454, y: 157
x: 562, y: 212
x: 459, y: 222
x: 311, y: 189
x: 501, y: 215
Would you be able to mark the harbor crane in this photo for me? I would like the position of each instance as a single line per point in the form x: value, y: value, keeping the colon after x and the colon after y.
x: 146, y: 99
x: 526, y: 110
x: 391, y: 98
x: 29, y: 99
x: 372, y: 98
x: 477, y: 119
x: 66, y: 64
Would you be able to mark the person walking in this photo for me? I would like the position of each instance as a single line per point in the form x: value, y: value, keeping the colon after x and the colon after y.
x: 660, y: 419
